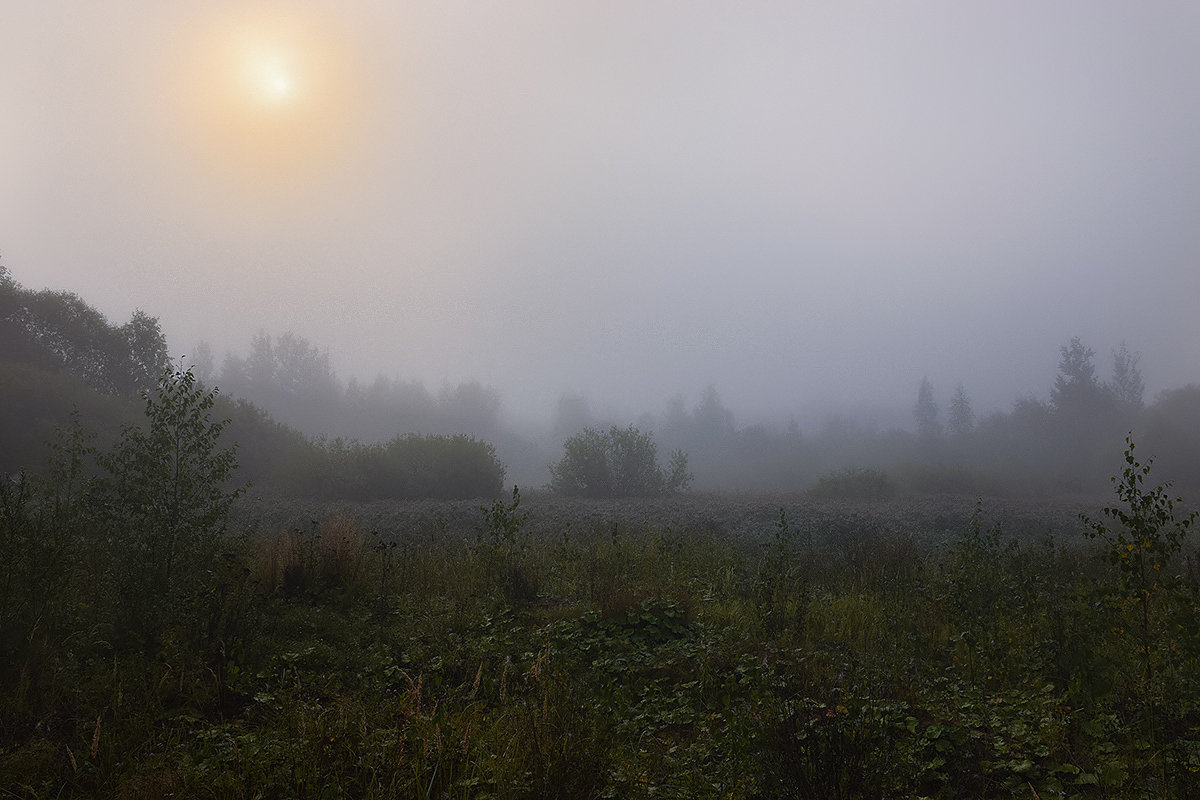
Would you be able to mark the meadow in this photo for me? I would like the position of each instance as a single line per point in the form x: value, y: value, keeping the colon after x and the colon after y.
x: 697, y: 646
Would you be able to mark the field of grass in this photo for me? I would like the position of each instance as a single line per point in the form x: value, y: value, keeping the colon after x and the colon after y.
x: 700, y: 646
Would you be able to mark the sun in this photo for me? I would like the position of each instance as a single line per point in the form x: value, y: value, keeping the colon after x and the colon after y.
x: 270, y: 100
x: 272, y: 74
x: 274, y: 82
x: 266, y: 68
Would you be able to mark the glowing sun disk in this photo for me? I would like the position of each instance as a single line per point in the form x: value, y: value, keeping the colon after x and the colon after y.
x: 270, y: 78
x: 270, y: 105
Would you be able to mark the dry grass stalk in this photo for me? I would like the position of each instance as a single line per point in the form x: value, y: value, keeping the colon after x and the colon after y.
x: 96, y: 738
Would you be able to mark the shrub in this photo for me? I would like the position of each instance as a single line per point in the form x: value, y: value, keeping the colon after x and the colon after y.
x: 166, y: 495
x: 854, y: 484
x: 916, y: 478
x: 1144, y: 537
x: 407, y: 467
x: 444, y: 467
x: 622, y: 462
x: 503, y: 546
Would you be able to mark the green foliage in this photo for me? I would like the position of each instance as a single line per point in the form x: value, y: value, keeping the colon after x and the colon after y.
x: 34, y: 401
x: 537, y: 647
x: 407, y: 467
x: 678, y: 477
x: 148, y: 357
x: 438, y: 466
x: 503, y: 547
x: 783, y: 583
x: 1143, y: 540
x: 112, y: 557
x: 166, y: 494
x: 1076, y: 389
x: 59, y: 330
x: 622, y: 462
x: 270, y: 454
x: 166, y: 481
x: 584, y: 468
x: 35, y: 571
x: 980, y: 586
x: 503, y: 522
x: 854, y: 484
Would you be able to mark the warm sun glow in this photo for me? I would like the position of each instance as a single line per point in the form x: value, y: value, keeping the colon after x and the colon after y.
x: 271, y: 102
x: 273, y: 80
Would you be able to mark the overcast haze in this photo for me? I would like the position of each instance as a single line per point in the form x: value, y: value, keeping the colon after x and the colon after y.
x: 806, y: 204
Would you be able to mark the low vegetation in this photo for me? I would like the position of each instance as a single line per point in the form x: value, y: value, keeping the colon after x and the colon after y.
x: 535, y: 647
x: 854, y: 484
x: 406, y: 467
x: 619, y: 462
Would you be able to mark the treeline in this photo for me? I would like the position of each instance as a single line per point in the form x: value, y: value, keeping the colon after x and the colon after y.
x: 1064, y: 443
x: 59, y: 355
x: 58, y: 330
x: 303, y: 430
x: 1069, y: 441
x: 355, y: 428
x: 295, y: 380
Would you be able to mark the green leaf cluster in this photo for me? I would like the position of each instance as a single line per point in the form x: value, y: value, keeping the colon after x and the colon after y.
x: 619, y: 462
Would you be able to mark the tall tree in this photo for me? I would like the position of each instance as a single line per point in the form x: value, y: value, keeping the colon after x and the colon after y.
x: 260, y: 366
x: 962, y: 417
x: 302, y: 368
x: 203, y: 363
x: 289, y: 377
x: 1127, y: 386
x: 14, y: 342
x: 1076, y: 391
x: 711, y: 420
x: 71, y: 334
x: 149, y: 357
x: 925, y: 412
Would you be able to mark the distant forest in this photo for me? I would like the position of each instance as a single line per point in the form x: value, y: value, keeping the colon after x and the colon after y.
x: 300, y: 429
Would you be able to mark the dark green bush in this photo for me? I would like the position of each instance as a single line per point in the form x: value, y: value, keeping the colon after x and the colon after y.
x: 854, y: 484
x: 164, y: 496
x: 622, y: 462
x: 405, y: 468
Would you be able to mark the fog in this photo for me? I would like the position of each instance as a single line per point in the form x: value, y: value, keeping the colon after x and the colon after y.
x: 809, y: 206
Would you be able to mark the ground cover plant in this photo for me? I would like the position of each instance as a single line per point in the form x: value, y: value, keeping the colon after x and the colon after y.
x: 535, y: 646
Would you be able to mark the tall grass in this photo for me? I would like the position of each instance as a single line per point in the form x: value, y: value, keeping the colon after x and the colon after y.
x: 702, y: 648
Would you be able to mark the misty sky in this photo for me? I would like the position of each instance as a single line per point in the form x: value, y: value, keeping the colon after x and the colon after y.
x: 805, y: 204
